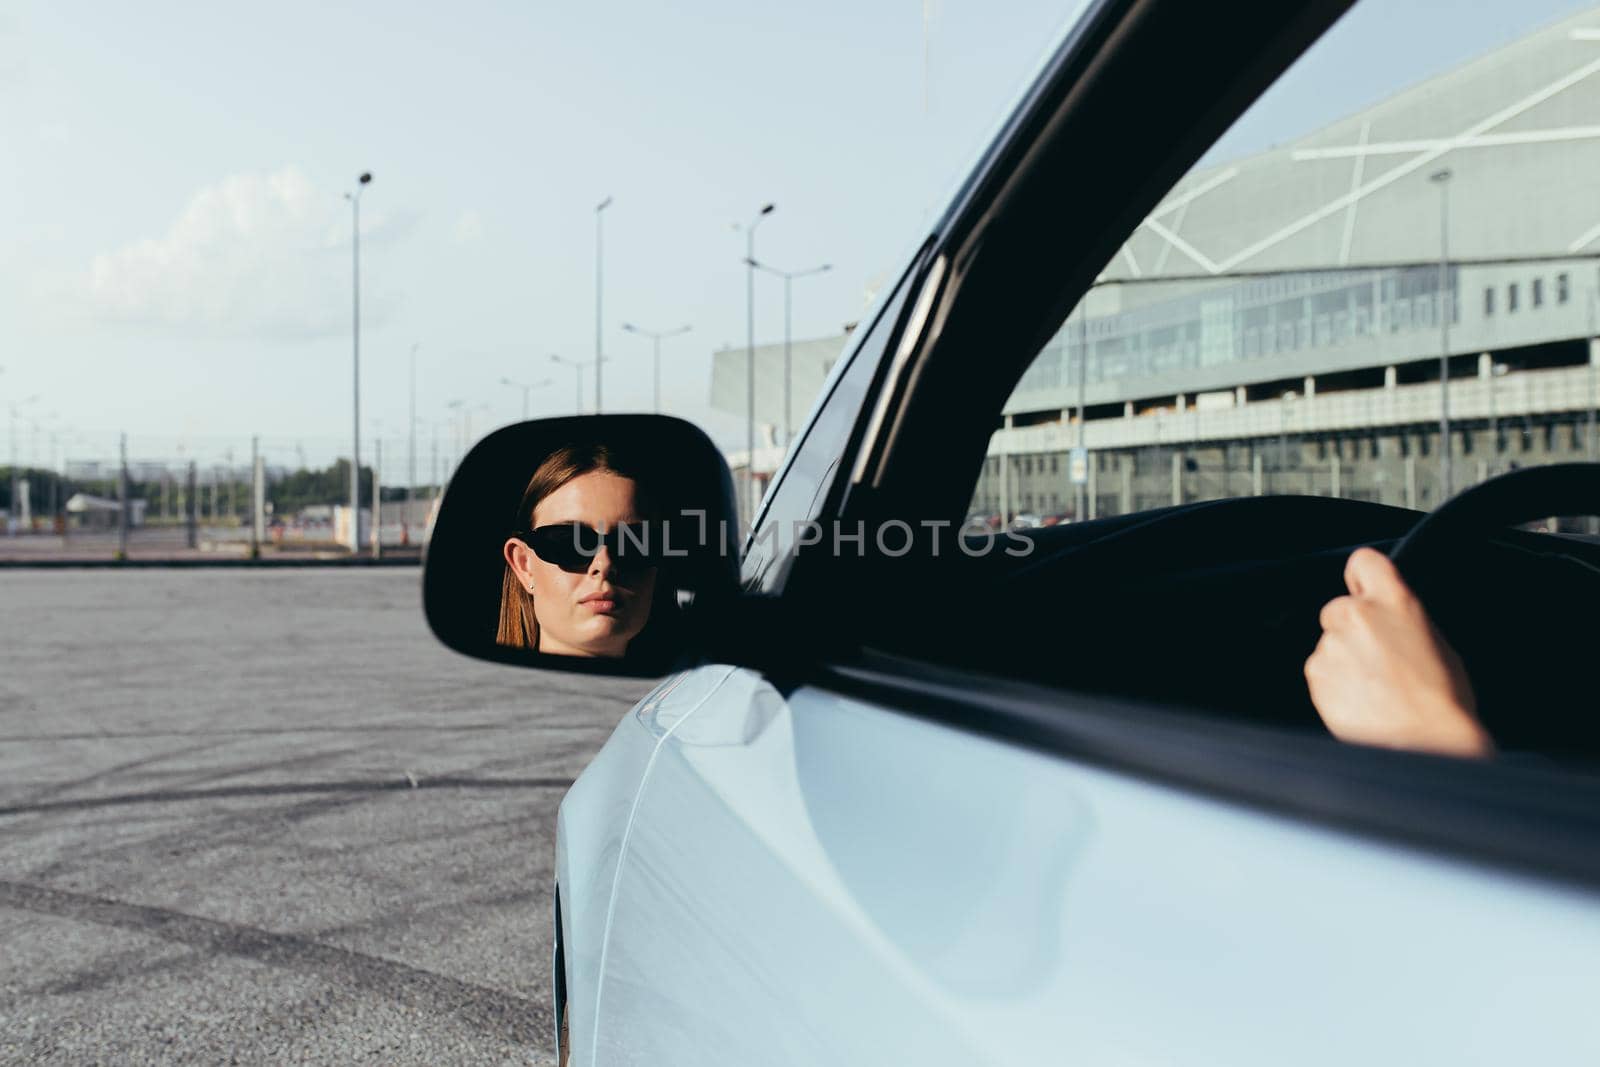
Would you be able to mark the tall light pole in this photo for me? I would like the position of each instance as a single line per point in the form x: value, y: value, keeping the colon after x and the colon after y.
x: 788, y: 277
x: 656, y: 338
x: 457, y: 434
x: 526, y: 387
x: 1284, y: 403
x: 1589, y: 415
x: 599, y: 277
x: 488, y: 412
x: 577, y: 366
x: 1496, y: 370
x: 55, y: 481
x: 355, y: 291
x: 1083, y: 388
x: 1441, y: 178
x: 411, y: 449
x: 750, y: 360
x: 16, y: 407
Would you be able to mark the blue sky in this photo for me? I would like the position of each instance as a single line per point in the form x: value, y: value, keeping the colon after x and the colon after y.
x: 176, y: 253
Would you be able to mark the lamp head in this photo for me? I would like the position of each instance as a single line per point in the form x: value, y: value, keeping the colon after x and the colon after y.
x: 366, y: 176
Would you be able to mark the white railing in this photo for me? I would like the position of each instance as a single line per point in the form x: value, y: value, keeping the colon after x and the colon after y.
x: 1530, y: 392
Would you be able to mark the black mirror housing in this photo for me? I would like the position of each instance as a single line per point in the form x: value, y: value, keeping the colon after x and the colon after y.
x: 694, y: 518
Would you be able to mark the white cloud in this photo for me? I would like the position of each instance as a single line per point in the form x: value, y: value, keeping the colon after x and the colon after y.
x: 253, y: 255
x: 468, y: 228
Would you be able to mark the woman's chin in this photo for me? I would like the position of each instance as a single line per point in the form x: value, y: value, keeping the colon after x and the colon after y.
x: 603, y: 635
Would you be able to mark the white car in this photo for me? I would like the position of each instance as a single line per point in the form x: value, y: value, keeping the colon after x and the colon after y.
x: 1058, y: 795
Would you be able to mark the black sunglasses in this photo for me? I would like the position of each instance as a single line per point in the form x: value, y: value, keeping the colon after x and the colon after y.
x: 572, y: 546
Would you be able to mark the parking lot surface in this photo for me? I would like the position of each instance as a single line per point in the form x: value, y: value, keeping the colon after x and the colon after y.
x: 263, y: 817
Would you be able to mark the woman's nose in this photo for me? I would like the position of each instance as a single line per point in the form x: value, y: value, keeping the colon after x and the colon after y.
x: 601, y: 565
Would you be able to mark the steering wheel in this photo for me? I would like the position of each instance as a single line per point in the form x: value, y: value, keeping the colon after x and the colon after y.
x: 1501, y: 651
x: 1510, y: 499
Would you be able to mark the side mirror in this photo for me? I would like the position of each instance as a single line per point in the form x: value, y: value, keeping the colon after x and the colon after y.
x: 637, y: 535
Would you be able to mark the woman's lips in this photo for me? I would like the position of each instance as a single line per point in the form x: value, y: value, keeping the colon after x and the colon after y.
x: 600, y: 603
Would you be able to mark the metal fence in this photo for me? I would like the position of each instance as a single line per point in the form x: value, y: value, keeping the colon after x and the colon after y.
x: 222, y: 496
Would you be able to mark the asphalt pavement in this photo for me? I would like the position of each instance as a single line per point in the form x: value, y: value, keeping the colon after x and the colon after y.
x: 261, y: 816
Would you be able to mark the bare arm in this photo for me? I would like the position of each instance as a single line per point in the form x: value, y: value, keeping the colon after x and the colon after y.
x: 1382, y: 675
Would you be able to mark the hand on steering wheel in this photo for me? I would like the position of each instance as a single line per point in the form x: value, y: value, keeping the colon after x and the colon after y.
x: 1382, y: 674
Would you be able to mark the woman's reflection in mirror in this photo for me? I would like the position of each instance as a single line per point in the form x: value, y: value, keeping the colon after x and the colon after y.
x: 579, y: 579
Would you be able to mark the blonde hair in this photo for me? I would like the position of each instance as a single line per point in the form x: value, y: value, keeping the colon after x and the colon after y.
x: 519, y: 627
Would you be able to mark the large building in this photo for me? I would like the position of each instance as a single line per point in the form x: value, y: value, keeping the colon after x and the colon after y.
x: 792, y: 373
x: 1275, y: 325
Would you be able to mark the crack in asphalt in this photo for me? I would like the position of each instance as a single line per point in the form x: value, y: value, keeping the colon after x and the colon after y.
x: 489, y: 1011
x: 171, y: 796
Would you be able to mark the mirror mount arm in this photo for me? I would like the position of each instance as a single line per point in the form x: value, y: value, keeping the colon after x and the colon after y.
x: 763, y: 632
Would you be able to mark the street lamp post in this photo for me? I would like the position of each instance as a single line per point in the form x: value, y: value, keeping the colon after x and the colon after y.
x: 788, y: 375
x: 1083, y: 387
x: 599, y: 355
x: 411, y: 453
x: 1284, y: 402
x: 1496, y: 370
x: 656, y: 338
x: 16, y: 408
x: 526, y: 387
x: 457, y: 434
x: 1589, y: 415
x: 750, y: 359
x: 355, y: 289
x: 578, y: 366
x: 55, y: 481
x: 1441, y: 178
x: 488, y: 412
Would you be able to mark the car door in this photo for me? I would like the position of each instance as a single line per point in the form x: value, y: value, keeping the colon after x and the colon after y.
x: 813, y: 877
x: 878, y: 858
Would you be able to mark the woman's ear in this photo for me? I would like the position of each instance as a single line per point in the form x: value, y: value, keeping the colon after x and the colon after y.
x: 519, y: 557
